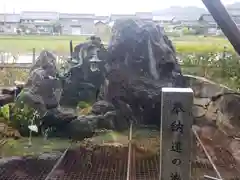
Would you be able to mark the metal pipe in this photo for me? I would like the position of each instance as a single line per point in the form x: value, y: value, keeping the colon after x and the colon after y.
x: 57, y: 164
x: 129, y: 152
x: 224, y: 21
x: 208, y: 156
x: 71, y: 50
x: 210, y: 177
x: 34, y: 56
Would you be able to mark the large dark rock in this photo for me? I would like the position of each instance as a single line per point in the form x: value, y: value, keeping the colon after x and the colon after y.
x: 63, y: 123
x: 141, y: 61
x: 102, y: 107
x: 43, y: 89
x: 40, y: 95
x: 86, y: 126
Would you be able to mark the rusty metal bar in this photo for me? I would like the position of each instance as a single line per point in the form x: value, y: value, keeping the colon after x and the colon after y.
x: 208, y: 156
x: 224, y: 21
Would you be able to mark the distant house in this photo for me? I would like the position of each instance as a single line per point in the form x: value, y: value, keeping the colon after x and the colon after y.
x: 102, y: 18
x: 39, y: 21
x: 102, y: 28
x: 145, y: 16
x: 32, y: 16
x: 163, y: 19
x: 9, y: 23
x: 233, y: 11
x: 186, y: 21
x: 115, y: 17
x: 209, y: 22
x: 77, y: 24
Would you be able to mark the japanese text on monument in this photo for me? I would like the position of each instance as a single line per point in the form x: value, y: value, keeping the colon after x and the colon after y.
x: 176, y: 124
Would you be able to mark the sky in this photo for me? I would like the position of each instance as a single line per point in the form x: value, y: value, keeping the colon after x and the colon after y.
x: 99, y: 7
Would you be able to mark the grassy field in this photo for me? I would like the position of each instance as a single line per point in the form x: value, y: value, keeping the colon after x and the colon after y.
x: 200, y: 44
x: 60, y: 44
x: 24, y: 44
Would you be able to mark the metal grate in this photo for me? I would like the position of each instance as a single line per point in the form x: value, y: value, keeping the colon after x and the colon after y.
x: 111, y: 162
x: 26, y: 169
x: 147, y: 168
x: 145, y: 160
x: 221, y: 158
x: 200, y: 169
x: 101, y: 163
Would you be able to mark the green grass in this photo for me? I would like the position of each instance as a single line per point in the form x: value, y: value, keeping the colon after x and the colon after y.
x: 200, y: 44
x: 39, y: 145
x: 60, y: 44
x: 23, y: 44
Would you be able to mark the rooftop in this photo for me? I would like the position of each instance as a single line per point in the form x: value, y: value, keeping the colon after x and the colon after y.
x: 100, y: 21
x: 186, y: 18
x: 101, y: 18
x: 208, y: 18
x: 76, y: 16
x: 163, y: 18
x: 12, y: 18
x: 31, y: 15
x: 114, y: 17
x: 234, y: 11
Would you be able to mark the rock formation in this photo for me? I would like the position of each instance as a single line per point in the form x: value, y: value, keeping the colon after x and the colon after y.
x: 82, y: 82
x: 139, y: 61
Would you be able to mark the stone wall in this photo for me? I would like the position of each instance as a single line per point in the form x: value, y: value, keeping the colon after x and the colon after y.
x: 224, y: 112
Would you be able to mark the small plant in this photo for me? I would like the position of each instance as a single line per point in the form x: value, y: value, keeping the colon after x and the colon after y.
x: 20, y: 118
x: 83, y: 105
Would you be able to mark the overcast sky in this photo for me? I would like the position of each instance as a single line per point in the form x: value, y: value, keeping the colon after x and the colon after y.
x: 99, y: 7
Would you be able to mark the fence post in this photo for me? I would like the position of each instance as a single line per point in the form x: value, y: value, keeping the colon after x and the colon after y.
x: 176, y: 133
x: 71, y: 50
x: 34, y: 56
x: 2, y: 57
